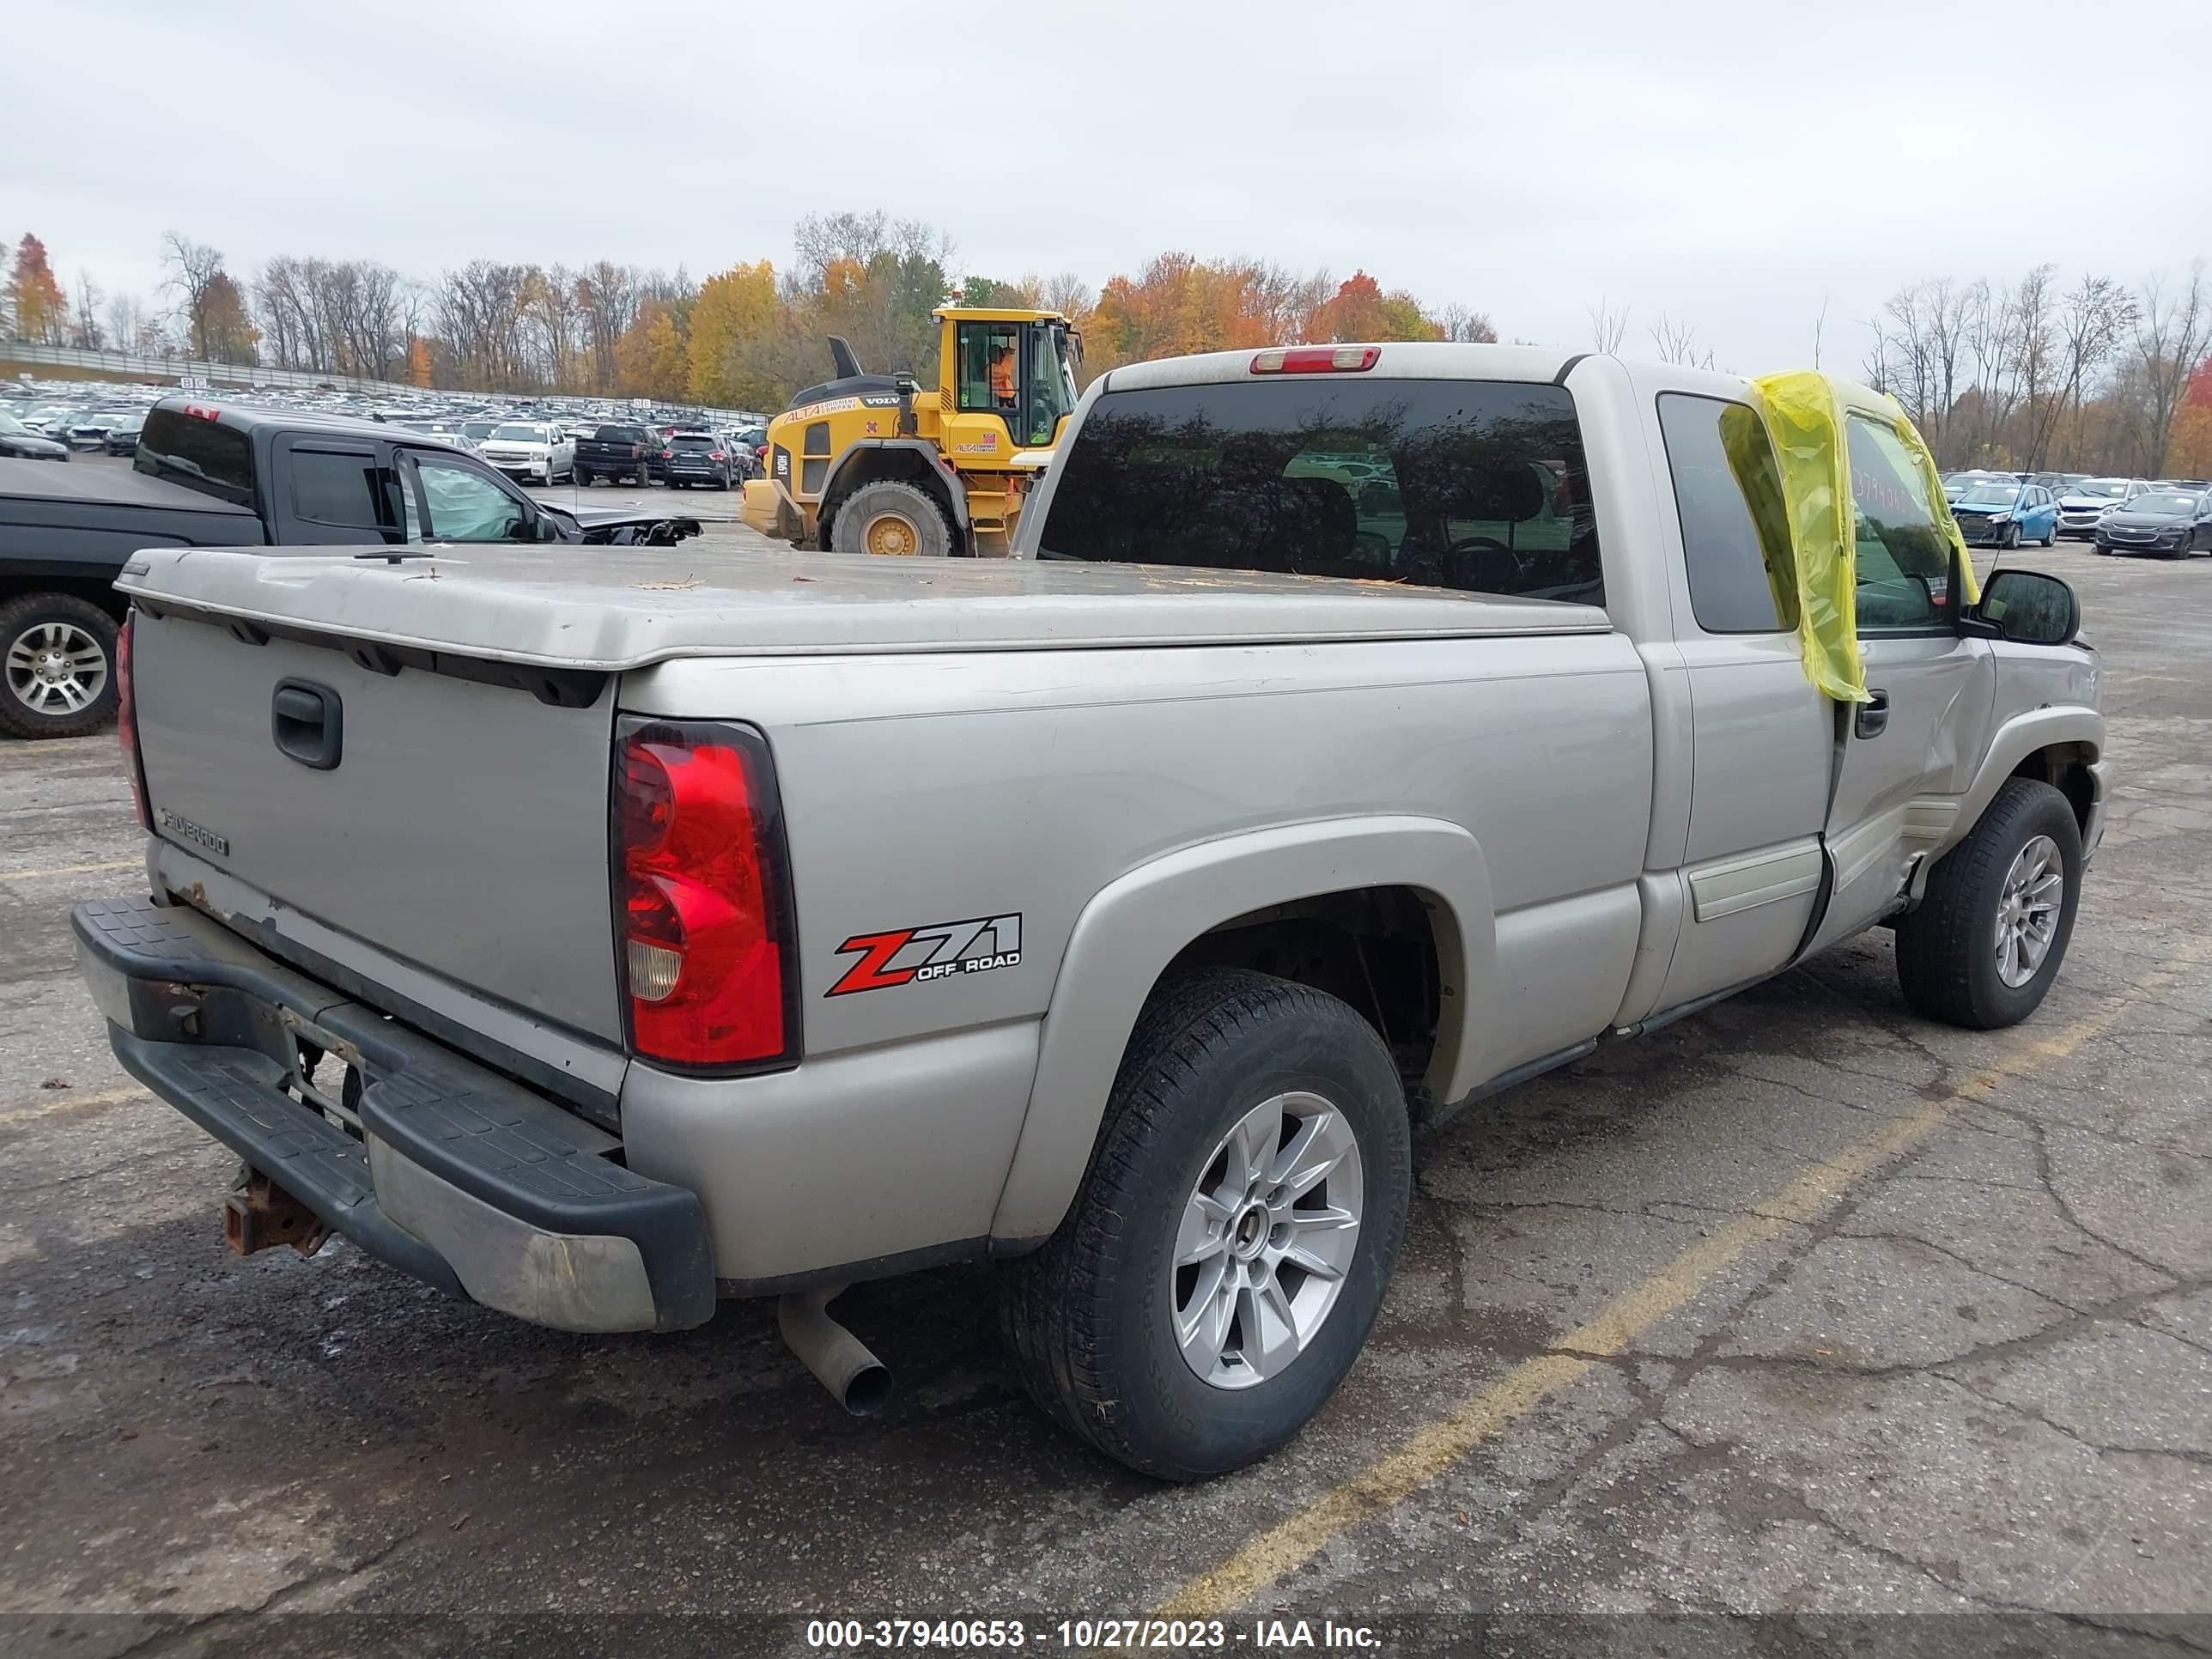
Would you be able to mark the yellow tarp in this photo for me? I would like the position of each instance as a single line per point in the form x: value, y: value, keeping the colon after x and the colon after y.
x: 1815, y: 519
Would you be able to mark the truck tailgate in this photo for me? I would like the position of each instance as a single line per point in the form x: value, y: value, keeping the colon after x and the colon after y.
x: 463, y: 825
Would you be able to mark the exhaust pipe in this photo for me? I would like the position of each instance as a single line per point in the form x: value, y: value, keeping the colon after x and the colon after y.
x: 860, y: 1382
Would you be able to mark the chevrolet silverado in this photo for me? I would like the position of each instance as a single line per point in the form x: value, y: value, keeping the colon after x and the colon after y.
x: 1355, y: 733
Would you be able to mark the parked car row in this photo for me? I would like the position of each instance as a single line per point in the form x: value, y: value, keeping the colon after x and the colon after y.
x: 2168, y: 516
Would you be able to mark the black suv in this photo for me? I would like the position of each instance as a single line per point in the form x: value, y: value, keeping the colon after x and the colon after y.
x: 690, y: 457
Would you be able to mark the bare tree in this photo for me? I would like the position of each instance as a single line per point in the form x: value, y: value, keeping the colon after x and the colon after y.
x: 1607, y: 327
x: 1068, y: 294
x: 2091, y: 322
x: 2172, y: 334
x: 2036, y: 345
x: 85, y: 332
x: 1677, y: 342
x: 607, y: 302
x: 127, y: 324
x: 1819, y: 326
x: 193, y: 268
x: 1472, y: 327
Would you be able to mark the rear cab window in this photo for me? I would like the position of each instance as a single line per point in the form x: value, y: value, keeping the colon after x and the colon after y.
x: 345, y: 489
x: 198, y: 452
x: 1735, y: 531
x: 1479, y: 486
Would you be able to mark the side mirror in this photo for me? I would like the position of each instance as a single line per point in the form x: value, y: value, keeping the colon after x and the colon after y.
x: 2028, y: 608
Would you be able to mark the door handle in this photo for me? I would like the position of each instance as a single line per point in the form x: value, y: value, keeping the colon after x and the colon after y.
x: 1872, y: 716
x: 306, y: 721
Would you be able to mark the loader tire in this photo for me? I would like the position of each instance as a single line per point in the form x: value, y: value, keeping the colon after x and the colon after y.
x: 892, y: 518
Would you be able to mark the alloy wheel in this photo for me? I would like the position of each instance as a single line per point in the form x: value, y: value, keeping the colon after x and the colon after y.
x: 2028, y: 910
x: 1266, y: 1237
x: 55, y: 668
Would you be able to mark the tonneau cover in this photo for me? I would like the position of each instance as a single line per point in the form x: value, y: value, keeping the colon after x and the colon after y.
x: 110, y: 485
x: 620, y: 608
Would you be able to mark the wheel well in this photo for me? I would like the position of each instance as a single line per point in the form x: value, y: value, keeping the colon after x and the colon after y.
x: 906, y: 467
x: 94, y: 590
x: 2065, y: 767
x: 1373, y: 947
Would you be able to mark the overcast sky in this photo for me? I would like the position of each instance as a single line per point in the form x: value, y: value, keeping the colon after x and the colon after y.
x: 1726, y: 164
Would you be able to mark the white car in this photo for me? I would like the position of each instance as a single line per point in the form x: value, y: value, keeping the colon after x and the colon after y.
x: 531, y: 451
x: 2081, y: 506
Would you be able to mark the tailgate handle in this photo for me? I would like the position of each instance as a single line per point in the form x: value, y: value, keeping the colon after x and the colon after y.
x: 307, y: 722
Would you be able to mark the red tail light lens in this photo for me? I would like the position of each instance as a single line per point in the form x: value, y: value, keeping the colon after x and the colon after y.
x: 1316, y: 360
x: 716, y: 455
x: 702, y: 901
x: 666, y: 453
x: 126, y: 724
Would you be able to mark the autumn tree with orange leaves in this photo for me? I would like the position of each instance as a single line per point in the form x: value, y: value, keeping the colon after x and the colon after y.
x: 40, y: 312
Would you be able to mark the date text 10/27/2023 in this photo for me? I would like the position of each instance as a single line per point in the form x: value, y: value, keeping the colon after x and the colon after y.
x: 1092, y: 1635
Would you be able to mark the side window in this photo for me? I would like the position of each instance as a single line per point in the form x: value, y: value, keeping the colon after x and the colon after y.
x: 1728, y: 495
x: 339, y: 487
x: 463, y: 506
x: 989, y: 359
x: 1903, y: 560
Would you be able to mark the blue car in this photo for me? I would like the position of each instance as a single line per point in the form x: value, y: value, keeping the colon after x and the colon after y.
x: 2004, y: 512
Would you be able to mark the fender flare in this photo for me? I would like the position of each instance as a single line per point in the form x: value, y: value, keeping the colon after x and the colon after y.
x: 958, y: 498
x: 2013, y: 742
x: 1132, y: 929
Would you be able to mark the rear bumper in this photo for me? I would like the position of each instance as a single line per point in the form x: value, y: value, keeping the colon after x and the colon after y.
x: 466, y: 1180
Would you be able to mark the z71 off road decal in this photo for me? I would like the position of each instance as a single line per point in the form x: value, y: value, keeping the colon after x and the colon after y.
x: 940, y: 949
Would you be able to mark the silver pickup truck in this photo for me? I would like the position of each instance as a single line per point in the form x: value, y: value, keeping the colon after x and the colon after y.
x: 598, y: 934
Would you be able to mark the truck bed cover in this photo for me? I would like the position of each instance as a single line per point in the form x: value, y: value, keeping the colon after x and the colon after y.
x: 618, y: 609
x: 112, y: 486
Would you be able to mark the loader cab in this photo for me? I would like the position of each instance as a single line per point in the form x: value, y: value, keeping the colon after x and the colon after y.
x: 1021, y: 370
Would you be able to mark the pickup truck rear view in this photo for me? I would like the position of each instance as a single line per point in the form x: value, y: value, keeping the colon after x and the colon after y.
x: 1352, y: 736
x: 210, y: 475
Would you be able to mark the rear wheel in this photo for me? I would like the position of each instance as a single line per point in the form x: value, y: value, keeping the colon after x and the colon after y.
x: 1221, y: 1267
x: 1985, y: 944
x: 892, y: 518
x: 583, y: 478
x: 57, y: 666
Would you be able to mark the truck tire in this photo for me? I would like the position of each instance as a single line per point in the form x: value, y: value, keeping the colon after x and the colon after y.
x: 583, y: 478
x: 1986, y: 942
x: 57, y: 666
x: 892, y: 518
x: 1235, y: 1084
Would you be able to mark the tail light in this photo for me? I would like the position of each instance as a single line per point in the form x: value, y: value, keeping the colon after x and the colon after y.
x: 717, y: 456
x: 703, y: 900
x: 761, y: 454
x: 126, y: 723
x: 666, y: 454
x: 1316, y: 360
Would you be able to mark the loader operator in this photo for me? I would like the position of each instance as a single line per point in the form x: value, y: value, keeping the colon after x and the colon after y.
x: 1002, y: 376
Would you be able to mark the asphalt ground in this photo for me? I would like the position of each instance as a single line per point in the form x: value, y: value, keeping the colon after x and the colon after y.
x: 1898, y: 1335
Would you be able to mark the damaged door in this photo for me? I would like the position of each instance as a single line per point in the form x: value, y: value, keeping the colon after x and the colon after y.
x: 1898, y: 765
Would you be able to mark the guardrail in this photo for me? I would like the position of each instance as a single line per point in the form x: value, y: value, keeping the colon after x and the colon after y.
x: 138, y: 365
x: 196, y: 374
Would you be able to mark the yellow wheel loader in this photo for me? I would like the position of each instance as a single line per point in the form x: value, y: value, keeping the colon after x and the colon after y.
x: 882, y: 464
